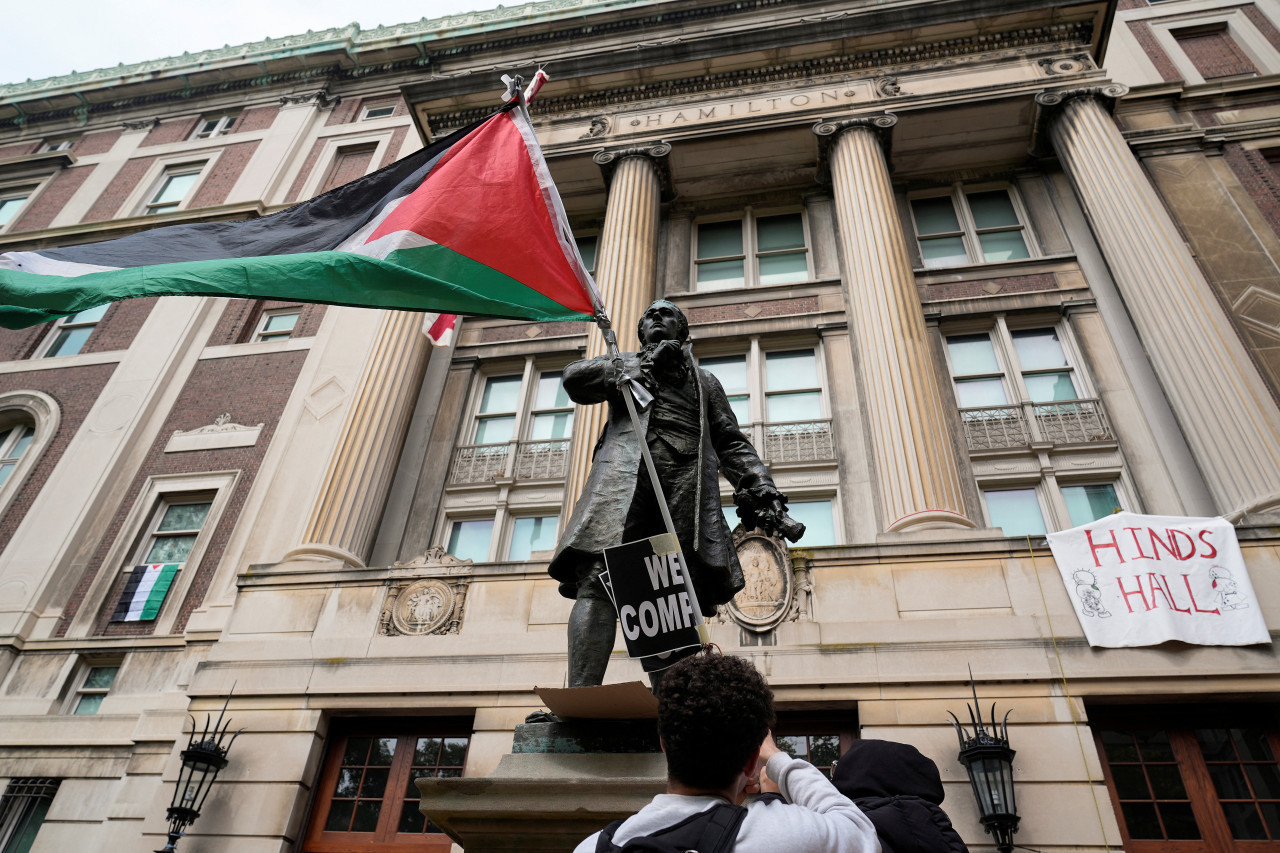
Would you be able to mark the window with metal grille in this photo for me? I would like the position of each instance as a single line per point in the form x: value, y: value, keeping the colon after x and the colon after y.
x: 23, y: 807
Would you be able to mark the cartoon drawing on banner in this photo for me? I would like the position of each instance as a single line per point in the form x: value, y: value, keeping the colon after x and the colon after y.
x: 1225, y: 590
x: 1090, y: 595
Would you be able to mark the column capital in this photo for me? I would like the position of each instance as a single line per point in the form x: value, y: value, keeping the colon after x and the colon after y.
x: 828, y: 130
x: 655, y: 152
x: 320, y: 98
x: 1050, y: 102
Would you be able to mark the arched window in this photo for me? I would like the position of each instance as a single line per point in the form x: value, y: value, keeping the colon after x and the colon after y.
x: 28, y: 422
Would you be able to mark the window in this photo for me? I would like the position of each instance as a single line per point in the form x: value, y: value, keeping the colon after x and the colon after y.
x: 379, y: 110
x: 770, y: 386
x: 94, y: 687
x: 1213, y: 51
x: 817, y: 517
x: 751, y: 251
x: 70, y: 334
x: 277, y: 325
x: 23, y: 807
x: 14, y: 442
x: 1195, y: 774
x: 587, y: 247
x: 63, y: 144
x: 522, y: 428
x: 215, y: 124
x: 819, y: 738
x: 532, y: 533
x: 173, y: 188
x: 166, y: 543
x: 12, y: 202
x: 969, y: 227
x: 366, y: 798
x: 469, y: 539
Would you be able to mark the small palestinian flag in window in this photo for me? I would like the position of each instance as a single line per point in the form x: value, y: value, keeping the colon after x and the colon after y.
x: 144, y: 592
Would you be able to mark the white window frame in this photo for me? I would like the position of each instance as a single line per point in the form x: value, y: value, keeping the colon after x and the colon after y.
x: 261, y: 334
x: 1048, y: 491
x: 58, y: 143
x: 375, y: 106
x: 131, y: 539
x: 150, y: 205
x: 526, y: 401
x: 495, y: 535
x: 748, y: 217
x: 25, y: 192
x: 61, y: 324
x: 1000, y: 331
x: 40, y: 411
x: 795, y: 496
x: 1265, y: 58
x: 958, y: 193
x: 84, y: 667
x: 222, y: 122
x: 756, y: 355
x: 515, y: 514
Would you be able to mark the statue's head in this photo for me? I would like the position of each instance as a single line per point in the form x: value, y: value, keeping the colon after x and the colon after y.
x: 662, y: 321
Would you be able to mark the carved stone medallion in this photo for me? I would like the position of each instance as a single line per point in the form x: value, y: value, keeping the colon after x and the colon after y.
x: 423, y: 607
x: 767, y: 597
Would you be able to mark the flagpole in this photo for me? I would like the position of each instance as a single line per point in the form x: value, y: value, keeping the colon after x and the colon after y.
x: 628, y: 388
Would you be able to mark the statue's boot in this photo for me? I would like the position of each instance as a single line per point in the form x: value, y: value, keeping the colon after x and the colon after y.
x: 593, y: 624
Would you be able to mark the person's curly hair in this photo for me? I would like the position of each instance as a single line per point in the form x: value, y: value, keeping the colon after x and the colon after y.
x: 713, y: 711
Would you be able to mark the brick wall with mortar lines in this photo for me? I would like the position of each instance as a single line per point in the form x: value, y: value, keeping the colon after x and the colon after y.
x: 20, y: 149
x: 991, y: 287
x: 737, y: 310
x: 108, y: 204
x: 240, y: 318
x: 99, y: 142
x: 52, y: 199
x: 305, y: 172
x: 1215, y: 54
x: 1258, y: 177
x: 393, y: 150
x: 350, y: 108
x: 253, y: 389
x: 175, y: 130
x: 1264, y: 25
x: 75, y: 389
x: 215, y: 188
x: 115, y: 331
x: 256, y: 118
x: 1147, y: 41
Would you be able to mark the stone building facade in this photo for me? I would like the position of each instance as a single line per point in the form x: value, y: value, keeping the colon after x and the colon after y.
x: 969, y: 272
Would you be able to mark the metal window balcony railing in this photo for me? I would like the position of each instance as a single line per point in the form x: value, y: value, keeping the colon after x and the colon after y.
x: 1059, y: 423
x: 796, y: 441
x: 519, y: 460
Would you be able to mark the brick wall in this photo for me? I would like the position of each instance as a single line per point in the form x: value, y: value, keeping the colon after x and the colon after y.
x: 17, y: 344
x: 305, y: 172
x: 258, y: 118
x: 1264, y: 25
x: 1130, y: 4
x: 344, y: 112
x: 992, y: 286
x: 120, y: 325
x: 1214, y: 53
x: 739, y: 310
x: 1260, y: 177
x: 1147, y: 41
x: 240, y: 318
x: 175, y: 130
x: 19, y: 150
x: 95, y: 143
x: 54, y: 197
x: 124, y: 183
x: 348, y: 164
x: 253, y: 389
x: 75, y: 389
x: 231, y: 165
x: 393, y: 150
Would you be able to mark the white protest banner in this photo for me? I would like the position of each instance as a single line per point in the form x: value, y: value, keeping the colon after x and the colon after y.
x: 645, y: 579
x: 1138, y: 580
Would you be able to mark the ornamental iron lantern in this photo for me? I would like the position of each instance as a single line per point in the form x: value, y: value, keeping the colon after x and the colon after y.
x: 202, y: 760
x: 989, y: 760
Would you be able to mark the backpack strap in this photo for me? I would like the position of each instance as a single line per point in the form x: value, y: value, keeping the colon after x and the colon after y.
x: 712, y: 831
x: 721, y: 829
x: 604, y: 841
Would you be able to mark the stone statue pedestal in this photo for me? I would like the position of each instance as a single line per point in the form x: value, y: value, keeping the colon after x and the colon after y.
x: 561, y: 782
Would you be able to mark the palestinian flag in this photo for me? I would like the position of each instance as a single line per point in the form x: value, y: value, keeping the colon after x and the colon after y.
x: 472, y: 224
x: 144, y: 592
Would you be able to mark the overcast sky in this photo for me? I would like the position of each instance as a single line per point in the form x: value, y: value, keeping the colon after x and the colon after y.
x: 46, y: 39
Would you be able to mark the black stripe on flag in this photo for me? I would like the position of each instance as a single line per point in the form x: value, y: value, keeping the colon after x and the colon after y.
x: 126, y: 595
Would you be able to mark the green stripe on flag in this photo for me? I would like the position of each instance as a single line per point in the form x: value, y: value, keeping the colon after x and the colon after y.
x: 159, y: 590
x: 427, y: 278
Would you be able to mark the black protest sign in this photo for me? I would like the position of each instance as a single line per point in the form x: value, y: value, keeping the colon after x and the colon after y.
x: 647, y: 584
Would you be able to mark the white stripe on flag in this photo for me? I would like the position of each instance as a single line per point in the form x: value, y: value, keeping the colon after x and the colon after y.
x: 151, y: 573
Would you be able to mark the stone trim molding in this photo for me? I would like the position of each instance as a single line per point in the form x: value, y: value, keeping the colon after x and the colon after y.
x: 222, y: 433
x: 321, y: 98
x: 655, y: 152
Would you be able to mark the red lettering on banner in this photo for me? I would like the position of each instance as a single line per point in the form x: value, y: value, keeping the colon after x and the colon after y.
x: 1173, y: 602
x: 1186, y: 580
x: 1157, y: 543
x: 1138, y: 592
x: 1133, y: 531
x: 1154, y: 583
x: 1191, y: 544
x: 1095, y: 547
x: 1213, y: 552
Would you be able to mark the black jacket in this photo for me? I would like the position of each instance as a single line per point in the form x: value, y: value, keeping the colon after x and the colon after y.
x: 900, y: 791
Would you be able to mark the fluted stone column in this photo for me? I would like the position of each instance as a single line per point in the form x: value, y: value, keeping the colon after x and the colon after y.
x: 626, y: 270
x: 1222, y: 406
x: 916, y: 469
x: 345, y: 517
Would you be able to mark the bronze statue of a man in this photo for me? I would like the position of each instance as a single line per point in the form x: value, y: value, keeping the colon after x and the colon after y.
x: 692, y: 433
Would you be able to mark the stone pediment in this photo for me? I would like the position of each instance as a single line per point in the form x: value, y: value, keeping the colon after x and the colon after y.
x: 222, y: 433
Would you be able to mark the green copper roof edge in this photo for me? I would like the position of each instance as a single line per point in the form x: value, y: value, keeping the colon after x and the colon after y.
x: 351, y: 37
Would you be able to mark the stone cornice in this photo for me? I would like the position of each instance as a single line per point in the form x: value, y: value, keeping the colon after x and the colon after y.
x: 944, y: 53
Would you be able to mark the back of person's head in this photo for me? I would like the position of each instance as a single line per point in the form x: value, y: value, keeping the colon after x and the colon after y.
x: 883, y: 768
x: 713, y: 711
